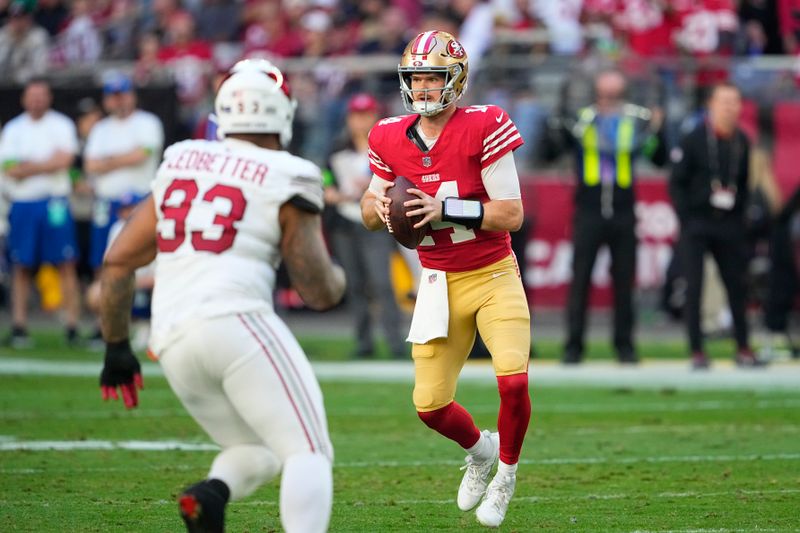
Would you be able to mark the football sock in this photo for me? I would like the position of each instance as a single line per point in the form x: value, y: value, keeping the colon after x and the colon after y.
x: 306, y: 493
x: 515, y: 413
x: 507, y: 469
x: 454, y: 422
x: 482, y: 450
x: 244, y: 468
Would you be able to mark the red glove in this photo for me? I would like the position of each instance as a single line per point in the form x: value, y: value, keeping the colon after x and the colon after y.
x: 121, y: 369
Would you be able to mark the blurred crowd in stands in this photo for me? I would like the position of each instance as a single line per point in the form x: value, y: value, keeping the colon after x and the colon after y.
x: 536, y: 58
x: 189, y: 41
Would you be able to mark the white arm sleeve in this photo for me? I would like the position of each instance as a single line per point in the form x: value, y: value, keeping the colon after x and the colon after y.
x: 500, y: 179
x: 376, y: 185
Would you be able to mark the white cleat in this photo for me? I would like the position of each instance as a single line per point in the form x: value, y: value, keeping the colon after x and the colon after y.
x: 492, y: 509
x: 476, y: 477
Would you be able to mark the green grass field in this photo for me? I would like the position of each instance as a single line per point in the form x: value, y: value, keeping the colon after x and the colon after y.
x: 594, y: 459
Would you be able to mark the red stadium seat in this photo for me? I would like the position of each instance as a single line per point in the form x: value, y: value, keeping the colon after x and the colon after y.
x: 786, y: 125
x: 749, y: 120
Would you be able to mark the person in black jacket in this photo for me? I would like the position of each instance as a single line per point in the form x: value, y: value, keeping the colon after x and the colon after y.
x: 709, y: 191
x: 607, y: 137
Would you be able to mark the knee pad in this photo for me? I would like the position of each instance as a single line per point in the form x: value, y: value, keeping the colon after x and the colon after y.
x: 430, y: 398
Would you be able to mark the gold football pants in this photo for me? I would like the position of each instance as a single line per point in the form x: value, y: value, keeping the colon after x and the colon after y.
x: 491, y: 299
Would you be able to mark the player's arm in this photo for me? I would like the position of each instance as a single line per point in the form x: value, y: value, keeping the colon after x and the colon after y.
x: 60, y: 160
x: 103, y: 165
x: 133, y: 248
x: 316, y: 278
x: 375, y: 203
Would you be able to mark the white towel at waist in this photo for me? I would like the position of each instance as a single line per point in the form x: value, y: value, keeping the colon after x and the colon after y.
x: 432, y: 310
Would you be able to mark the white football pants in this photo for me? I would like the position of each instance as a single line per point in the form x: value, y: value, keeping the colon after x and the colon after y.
x: 247, y: 382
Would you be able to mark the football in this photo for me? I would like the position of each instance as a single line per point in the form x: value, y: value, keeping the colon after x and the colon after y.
x: 400, y: 226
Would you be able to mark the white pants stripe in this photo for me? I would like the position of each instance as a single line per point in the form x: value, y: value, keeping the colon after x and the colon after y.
x: 246, y: 380
x: 294, y: 378
x: 292, y: 386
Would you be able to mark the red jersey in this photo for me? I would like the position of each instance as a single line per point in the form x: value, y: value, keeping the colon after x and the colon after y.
x: 473, y: 138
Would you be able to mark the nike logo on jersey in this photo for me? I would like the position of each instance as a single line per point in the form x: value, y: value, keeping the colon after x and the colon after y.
x: 498, y: 274
x: 499, y: 118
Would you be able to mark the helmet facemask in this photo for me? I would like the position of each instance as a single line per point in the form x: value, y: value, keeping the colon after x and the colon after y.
x: 433, y: 52
x: 428, y: 107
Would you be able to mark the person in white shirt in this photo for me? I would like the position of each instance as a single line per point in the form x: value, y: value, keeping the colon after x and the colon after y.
x: 36, y: 150
x: 121, y: 157
x: 221, y: 217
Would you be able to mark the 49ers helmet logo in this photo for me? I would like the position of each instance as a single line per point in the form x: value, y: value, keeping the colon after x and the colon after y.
x: 454, y: 49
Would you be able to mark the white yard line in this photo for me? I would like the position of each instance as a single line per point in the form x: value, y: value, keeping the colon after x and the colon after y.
x: 8, y: 443
x: 517, y: 499
x: 115, y: 411
x: 650, y: 374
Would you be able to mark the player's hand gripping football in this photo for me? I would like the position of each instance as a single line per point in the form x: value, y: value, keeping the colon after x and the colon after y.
x: 382, y: 204
x: 427, y: 207
x: 121, y: 369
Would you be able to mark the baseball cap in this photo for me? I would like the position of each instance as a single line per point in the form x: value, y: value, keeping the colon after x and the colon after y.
x: 21, y: 7
x: 117, y: 83
x: 362, y: 102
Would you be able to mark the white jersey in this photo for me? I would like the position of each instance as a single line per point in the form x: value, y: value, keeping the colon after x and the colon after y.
x: 112, y: 136
x: 218, y: 232
x: 24, y: 139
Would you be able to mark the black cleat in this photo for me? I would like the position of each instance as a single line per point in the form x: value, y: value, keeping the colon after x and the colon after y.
x: 627, y: 357
x: 571, y: 357
x: 202, y: 506
x: 19, y: 338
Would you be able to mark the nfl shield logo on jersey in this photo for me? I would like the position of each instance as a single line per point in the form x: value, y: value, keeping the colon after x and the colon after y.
x: 432, y: 278
x: 426, y: 161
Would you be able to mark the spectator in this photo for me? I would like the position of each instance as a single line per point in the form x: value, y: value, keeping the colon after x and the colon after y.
x: 784, y: 279
x: 79, y: 43
x: 51, y: 15
x: 189, y: 61
x: 121, y: 156
x: 759, y: 21
x: 477, y: 28
x: 218, y: 20
x: 240, y: 373
x: 709, y: 189
x: 607, y: 137
x: 270, y: 33
x: 562, y: 20
x: 789, y: 23
x: 37, y: 149
x: 121, y: 30
x: 148, y: 68
x: 160, y: 17
x: 364, y: 254
x: 88, y: 113
x: 23, y: 44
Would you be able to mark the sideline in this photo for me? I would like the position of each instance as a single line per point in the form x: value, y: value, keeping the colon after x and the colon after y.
x: 649, y: 374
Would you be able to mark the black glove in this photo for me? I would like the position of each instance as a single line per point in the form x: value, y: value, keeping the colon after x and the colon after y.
x: 121, y: 369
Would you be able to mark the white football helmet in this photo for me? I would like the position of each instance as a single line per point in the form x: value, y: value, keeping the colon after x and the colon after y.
x: 439, y: 52
x: 255, y: 98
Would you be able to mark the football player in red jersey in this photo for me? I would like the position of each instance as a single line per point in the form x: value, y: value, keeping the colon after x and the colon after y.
x: 461, y: 161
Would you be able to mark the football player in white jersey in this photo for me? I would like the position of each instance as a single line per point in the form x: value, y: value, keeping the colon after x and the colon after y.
x: 221, y: 217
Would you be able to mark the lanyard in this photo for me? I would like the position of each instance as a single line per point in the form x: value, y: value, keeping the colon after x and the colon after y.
x: 713, y: 160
